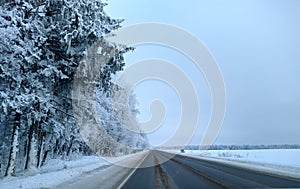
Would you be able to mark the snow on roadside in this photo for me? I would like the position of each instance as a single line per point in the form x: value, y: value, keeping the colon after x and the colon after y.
x: 279, y: 161
x: 288, y: 157
x: 110, y: 177
x: 57, y: 164
x: 55, y: 171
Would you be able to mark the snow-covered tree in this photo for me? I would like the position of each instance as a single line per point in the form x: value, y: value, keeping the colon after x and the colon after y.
x: 119, y: 120
x: 41, y: 46
x: 97, y: 110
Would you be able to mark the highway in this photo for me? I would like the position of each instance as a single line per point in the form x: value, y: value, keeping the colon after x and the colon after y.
x: 187, y: 172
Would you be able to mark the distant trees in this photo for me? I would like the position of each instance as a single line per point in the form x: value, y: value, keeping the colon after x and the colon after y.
x: 244, y: 147
x: 41, y: 46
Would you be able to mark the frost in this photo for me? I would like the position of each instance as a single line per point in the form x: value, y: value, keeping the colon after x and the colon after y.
x: 47, y: 72
x: 99, y: 50
x: 39, y: 57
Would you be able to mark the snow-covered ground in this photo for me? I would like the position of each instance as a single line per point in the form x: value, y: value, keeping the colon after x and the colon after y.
x: 279, y: 161
x: 288, y: 157
x: 55, y: 172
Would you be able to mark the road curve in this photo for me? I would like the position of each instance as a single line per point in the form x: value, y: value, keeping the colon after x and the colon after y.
x: 187, y: 172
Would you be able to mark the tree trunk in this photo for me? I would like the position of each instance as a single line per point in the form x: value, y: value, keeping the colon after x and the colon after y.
x: 14, y: 147
x: 29, y: 146
x: 44, y: 158
x: 70, y: 147
x: 40, y: 149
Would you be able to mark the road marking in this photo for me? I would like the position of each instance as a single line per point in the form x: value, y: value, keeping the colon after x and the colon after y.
x: 127, y: 178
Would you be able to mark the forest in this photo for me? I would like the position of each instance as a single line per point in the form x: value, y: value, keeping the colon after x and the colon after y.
x: 43, y: 43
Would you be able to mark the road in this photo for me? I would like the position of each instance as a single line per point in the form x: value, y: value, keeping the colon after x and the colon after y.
x: 186, y: 172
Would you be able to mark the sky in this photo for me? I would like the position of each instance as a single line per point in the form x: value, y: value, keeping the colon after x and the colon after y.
x: 256, y: 44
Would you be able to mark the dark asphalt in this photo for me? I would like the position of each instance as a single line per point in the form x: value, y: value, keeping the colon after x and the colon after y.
x: 143, y: 178
x: 186, y: 172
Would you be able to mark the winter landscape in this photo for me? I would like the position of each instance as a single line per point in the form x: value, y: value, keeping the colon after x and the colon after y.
x: 67, y: 121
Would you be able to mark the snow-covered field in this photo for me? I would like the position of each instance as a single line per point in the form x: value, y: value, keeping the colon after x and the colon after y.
x: 288, y: 157
x: 279, y: 161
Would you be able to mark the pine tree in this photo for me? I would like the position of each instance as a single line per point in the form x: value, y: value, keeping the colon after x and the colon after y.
x: 41, y: 46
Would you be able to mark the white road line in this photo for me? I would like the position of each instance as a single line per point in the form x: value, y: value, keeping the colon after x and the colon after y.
x: 127, y: 178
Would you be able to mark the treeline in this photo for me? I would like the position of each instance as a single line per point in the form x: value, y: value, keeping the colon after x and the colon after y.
x: 42, y: 43
x: 243, y: 147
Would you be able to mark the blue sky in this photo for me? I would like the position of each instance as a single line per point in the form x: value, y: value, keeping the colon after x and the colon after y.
x: 257, y: 46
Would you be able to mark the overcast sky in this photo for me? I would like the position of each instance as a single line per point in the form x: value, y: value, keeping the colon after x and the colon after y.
x: 256, y: 43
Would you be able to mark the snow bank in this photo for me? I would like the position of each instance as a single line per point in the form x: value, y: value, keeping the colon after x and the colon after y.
x: 288, y: 157
x: 54, y: 172
x: 279, y: 161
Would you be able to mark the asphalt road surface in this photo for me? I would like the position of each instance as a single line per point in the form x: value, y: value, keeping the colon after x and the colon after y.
x: 186, y: 172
